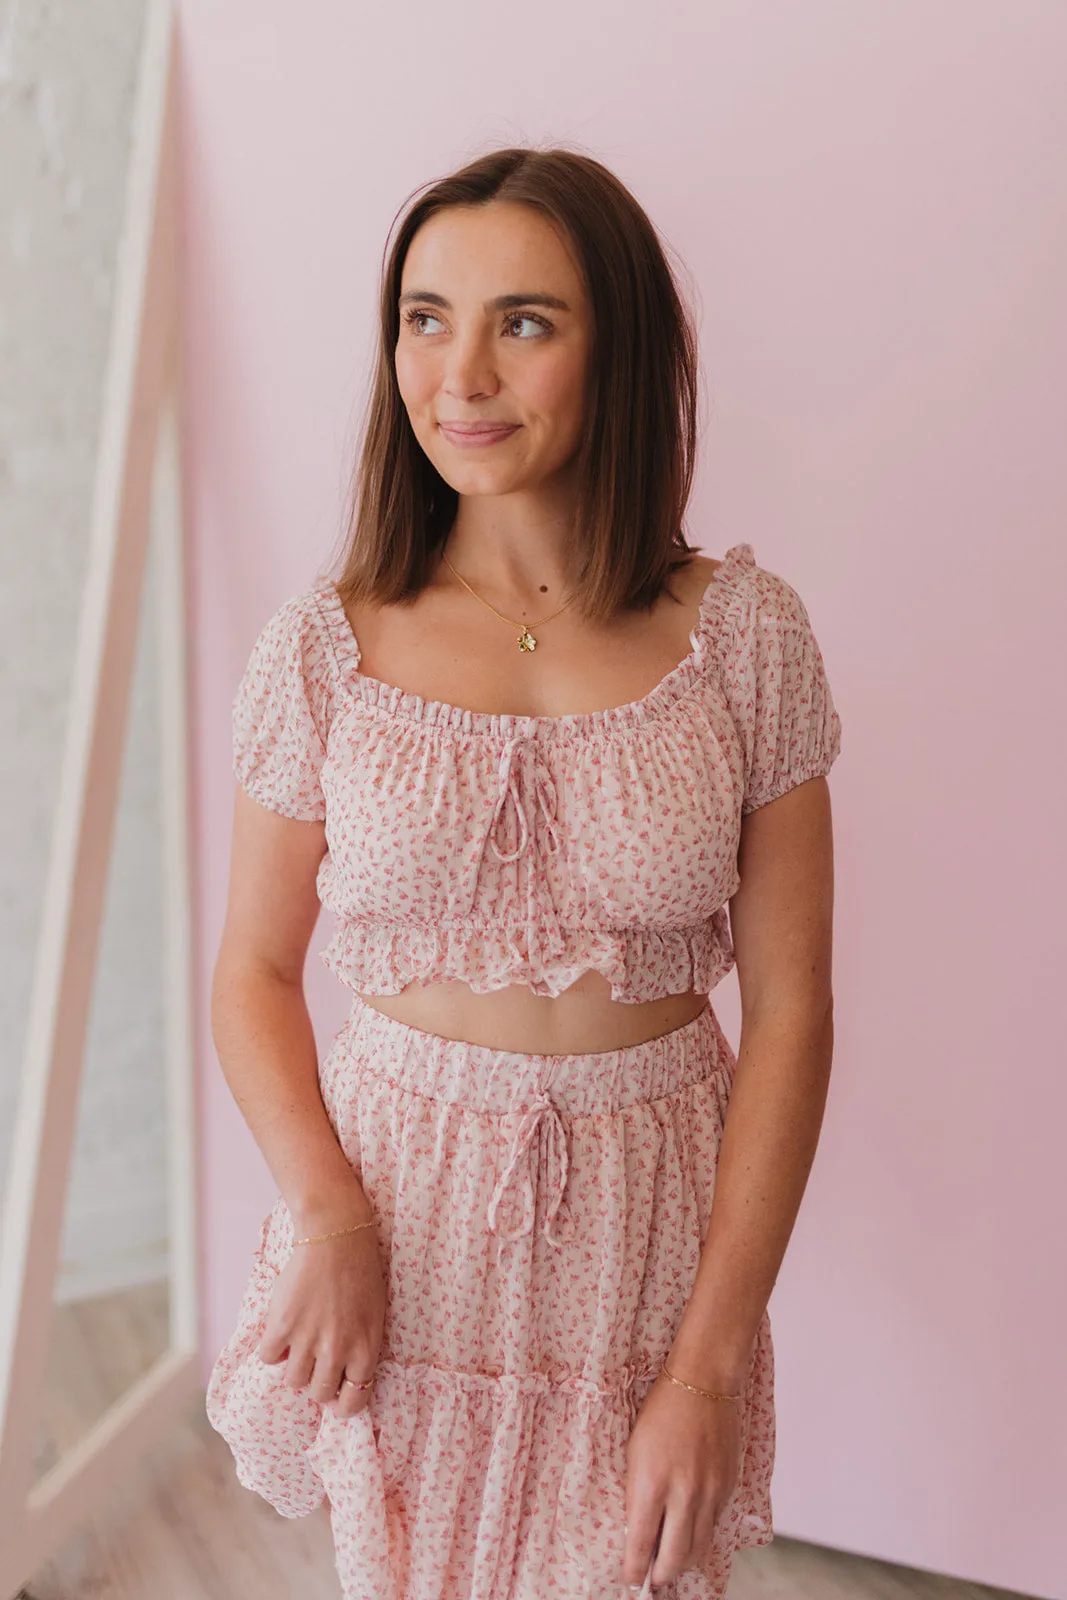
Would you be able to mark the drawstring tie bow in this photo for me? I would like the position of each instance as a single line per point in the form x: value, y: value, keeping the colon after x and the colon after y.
x: 543, y: 1124
x: 544, y: 796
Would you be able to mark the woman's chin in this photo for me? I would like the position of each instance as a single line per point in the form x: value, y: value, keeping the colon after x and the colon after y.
x: 482, y: 481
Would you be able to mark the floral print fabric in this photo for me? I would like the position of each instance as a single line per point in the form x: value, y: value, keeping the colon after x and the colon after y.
x: 500, y: 849
x: 542, y: 1218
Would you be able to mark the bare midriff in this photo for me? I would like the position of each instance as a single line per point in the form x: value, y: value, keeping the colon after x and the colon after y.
x: 583, y: 1019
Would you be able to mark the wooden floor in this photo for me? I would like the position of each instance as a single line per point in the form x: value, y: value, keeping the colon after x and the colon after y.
x: 183, y: 1528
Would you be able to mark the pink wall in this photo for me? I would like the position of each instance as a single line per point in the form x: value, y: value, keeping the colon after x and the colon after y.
x: 871, y: 201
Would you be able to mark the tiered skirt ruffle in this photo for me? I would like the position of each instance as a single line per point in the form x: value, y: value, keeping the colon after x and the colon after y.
x: 541, y: 1218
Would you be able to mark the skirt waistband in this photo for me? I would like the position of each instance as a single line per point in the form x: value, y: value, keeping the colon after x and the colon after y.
x: 486, y: 1079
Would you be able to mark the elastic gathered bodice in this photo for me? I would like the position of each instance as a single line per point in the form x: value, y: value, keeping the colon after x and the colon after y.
x: 496, y: 848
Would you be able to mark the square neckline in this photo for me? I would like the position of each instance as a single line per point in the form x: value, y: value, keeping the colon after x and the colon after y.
x: 390, y: 701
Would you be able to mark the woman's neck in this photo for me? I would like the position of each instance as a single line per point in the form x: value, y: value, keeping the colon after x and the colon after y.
x: 511, y: 545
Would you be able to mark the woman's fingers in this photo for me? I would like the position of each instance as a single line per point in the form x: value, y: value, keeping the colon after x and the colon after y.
x: 674, y: 1535
x: 642, y: 1526
x: 326, y: 1378
x: 350, y: 1400
x: 358, y: 1365
x: 273, y: 1347
x: 310, y: 1323
x: 675, y: 1543
x: 299, y: 1367
x: 705, y: 1525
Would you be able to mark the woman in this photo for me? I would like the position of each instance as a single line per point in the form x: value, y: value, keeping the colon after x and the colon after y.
x: 553, y: 772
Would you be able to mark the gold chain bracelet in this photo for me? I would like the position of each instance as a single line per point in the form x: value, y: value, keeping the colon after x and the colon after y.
x: 317, y: 1238
x: 738, y: 1399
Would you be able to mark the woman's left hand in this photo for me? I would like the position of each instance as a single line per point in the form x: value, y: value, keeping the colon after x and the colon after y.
x: 683, y: 1458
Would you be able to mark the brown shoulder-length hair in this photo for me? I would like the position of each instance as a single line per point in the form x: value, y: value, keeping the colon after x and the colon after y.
x: 636, y: 459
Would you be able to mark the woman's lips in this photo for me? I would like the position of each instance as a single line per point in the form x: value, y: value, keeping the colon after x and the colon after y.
x: 468, y: 436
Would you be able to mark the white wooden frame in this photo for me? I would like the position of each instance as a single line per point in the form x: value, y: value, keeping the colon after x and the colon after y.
x: 137, y: 487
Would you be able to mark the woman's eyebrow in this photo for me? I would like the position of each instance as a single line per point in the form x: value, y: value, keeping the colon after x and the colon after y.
x: 502, y: 302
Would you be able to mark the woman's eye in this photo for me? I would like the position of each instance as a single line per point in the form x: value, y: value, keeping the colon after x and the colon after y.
x: 538, y: 324
x: 413, y: 318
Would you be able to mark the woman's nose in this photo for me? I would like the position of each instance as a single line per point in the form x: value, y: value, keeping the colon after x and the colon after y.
x: 469, y: 371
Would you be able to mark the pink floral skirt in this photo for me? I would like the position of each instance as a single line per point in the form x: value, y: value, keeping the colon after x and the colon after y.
x: 541, y: 1219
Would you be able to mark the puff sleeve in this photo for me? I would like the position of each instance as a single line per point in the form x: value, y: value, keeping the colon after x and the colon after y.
x: 281, y: 714
x: 780, y: 697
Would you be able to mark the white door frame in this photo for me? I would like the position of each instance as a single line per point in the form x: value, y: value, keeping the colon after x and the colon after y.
x: 136, y: 489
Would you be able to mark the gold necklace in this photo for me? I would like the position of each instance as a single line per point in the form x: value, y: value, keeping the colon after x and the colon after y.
x: 526, y: 638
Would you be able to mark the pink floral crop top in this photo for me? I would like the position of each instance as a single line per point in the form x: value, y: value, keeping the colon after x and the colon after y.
x: 499, y: 849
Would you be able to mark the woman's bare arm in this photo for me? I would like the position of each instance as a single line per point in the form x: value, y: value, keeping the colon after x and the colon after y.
x: 781, y: 920
x: 259, y: 1017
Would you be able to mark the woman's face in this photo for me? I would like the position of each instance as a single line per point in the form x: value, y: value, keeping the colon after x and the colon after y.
x: 493, y: 349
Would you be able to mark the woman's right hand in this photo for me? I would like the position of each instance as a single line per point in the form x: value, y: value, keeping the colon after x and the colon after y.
x: 326, y: 1319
